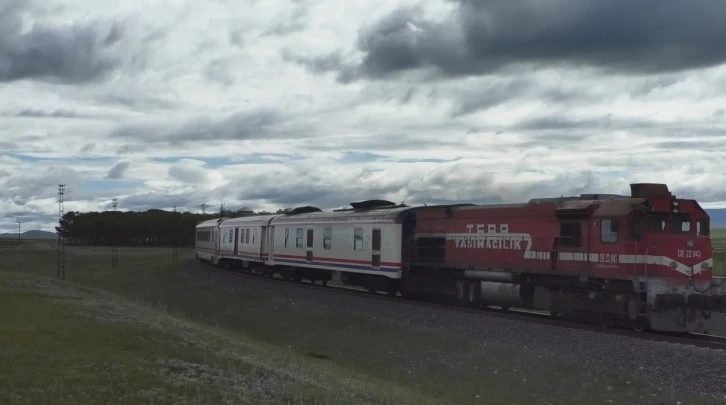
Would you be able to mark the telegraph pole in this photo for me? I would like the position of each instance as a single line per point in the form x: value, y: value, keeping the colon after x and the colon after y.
x: 175, y: 253
x: 61, y: 240
x: 114, y: 241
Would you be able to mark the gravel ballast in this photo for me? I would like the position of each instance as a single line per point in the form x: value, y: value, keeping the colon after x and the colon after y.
x: 667, y: 367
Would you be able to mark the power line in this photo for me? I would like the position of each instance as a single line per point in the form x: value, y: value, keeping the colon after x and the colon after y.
x: 61, y: 239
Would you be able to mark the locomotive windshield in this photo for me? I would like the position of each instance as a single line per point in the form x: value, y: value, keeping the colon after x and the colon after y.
x: 680, y: 223
x: 670, y: 223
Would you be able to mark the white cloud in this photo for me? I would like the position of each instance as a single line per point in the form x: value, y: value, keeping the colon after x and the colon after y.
x: 241, y: 103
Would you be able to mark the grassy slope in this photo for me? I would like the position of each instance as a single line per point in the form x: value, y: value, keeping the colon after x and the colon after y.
x: 72, y: 345
x: 439, y: 368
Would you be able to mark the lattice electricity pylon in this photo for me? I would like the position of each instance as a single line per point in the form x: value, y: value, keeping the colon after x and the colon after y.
x: 174, y: 251
x: 61, y: 240
x: 114, y: 237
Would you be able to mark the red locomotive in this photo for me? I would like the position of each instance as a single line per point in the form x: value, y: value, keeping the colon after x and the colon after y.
x: 644, y: 260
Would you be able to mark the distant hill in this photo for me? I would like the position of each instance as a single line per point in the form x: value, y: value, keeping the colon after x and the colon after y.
x: 30, y: 235
x: 718, y: 217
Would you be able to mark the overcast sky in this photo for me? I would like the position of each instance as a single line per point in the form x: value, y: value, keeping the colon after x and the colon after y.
x: 278, y: 103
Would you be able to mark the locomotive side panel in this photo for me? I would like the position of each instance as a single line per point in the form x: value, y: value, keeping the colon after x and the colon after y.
x: 516, y: 239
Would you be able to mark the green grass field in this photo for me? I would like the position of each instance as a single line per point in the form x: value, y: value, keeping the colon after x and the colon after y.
x: 718, y: 240
x: 75, y: 345
x: 150, y: 332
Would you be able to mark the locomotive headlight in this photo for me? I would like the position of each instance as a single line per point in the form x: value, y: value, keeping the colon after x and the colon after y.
x: 704, y: 266
x: 673, y: 265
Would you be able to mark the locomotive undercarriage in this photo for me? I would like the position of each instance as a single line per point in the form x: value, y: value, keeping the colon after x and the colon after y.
x: 605, y: 302
x: 640, y: 304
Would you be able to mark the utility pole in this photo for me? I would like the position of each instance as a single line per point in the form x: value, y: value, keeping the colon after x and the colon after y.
x: 18, y: 230
x: 114, y: 237
x: 174, y: 251
x: 61, y: 240
x: 204, y: 208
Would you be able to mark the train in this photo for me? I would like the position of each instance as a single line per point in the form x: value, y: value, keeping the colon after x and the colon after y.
x: 642, y: 260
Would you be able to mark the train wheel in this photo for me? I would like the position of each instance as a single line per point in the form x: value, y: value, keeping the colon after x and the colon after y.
x: 640, y: 325
x: 324, y: 283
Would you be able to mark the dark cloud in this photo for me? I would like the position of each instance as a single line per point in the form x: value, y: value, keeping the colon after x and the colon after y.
x: 236, y: 38
x: 485, y: 36
x: 189, y: 174
x: 491, y: 95
x: 702, y: 145
x: 5, y: 145
x: 129, y: 149
x: 220, y: 70
x: 39, y: 184
x: 88, y: 148
x: 37, y: 113
x: 287, y: 26
x: 159, y: 200
x: 118, y: 170
x: 331, y: 62
x: 134, y: 99
x: 256, y: 124
x: 73, y: 53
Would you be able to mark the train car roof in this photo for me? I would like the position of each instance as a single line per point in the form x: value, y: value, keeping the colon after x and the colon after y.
x: 367, y: 215
x: 210, y: 222
x: 249, y: 220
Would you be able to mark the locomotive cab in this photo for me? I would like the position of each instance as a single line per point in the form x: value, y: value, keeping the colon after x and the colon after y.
x: 672, y: 238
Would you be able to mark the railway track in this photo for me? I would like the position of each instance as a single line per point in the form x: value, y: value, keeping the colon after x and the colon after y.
x: 691, y: 339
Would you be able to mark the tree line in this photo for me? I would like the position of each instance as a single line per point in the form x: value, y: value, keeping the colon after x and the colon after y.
x: 152, y: 228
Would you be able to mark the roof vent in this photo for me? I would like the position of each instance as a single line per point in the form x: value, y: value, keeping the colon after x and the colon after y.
x: 303, y: 210
x: 370, y: 204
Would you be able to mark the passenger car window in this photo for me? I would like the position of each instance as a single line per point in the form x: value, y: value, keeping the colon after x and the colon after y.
x: 299, y: 237
x: 327, y: 238
x: 358, y: 239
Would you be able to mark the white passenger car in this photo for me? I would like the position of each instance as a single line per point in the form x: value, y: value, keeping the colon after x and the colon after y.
x: 245, y: 240
x: 364, y: 243
x: 206, y: 240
